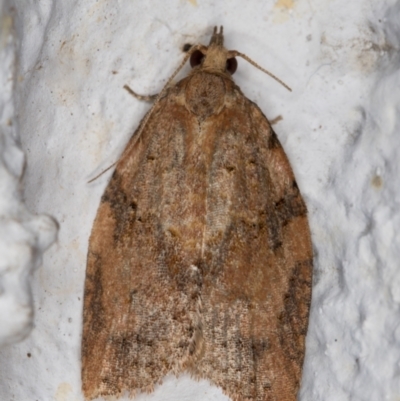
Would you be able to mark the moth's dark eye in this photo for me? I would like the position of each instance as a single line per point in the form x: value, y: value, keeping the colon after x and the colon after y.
x: 196, y: 58
x: 231, y: 65
x: 186, y: 47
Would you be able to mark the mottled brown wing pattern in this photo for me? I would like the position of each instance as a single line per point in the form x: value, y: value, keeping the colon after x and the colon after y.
x: 137, y: 310
x: 255, y: 309
x: 200, y: 256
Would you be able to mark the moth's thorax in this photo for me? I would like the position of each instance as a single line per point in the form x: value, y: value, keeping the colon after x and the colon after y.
x: 205, y: 94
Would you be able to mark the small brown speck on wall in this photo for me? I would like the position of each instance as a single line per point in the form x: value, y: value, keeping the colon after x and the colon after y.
x: 200, y: 256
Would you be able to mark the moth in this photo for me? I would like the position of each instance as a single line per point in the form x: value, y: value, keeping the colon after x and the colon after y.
x: 200, y: 256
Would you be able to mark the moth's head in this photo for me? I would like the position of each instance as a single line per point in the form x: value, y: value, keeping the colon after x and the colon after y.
x: 214, y: 57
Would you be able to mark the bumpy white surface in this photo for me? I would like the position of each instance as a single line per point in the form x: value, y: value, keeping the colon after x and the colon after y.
x: 340, y: 129
x: 23, y: 236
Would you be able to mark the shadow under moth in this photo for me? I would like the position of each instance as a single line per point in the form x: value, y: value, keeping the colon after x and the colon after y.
x: 200, y: 256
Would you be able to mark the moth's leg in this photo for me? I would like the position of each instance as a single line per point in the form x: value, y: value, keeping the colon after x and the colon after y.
x: 146, y: 98
x: 276, y: 120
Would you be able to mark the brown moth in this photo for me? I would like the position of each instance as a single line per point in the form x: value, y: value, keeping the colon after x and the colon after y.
x: 200, y: 257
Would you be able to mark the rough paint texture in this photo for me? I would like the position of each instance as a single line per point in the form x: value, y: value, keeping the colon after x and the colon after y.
x: 200, y: 257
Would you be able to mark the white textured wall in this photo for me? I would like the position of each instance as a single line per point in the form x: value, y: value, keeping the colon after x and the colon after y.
x: 23, y: 236
x: 340, y: 129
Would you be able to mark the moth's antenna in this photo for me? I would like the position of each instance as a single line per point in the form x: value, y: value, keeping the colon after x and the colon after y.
x: 183, y: 62
x: 104, y: 171
x: 235, y: 53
